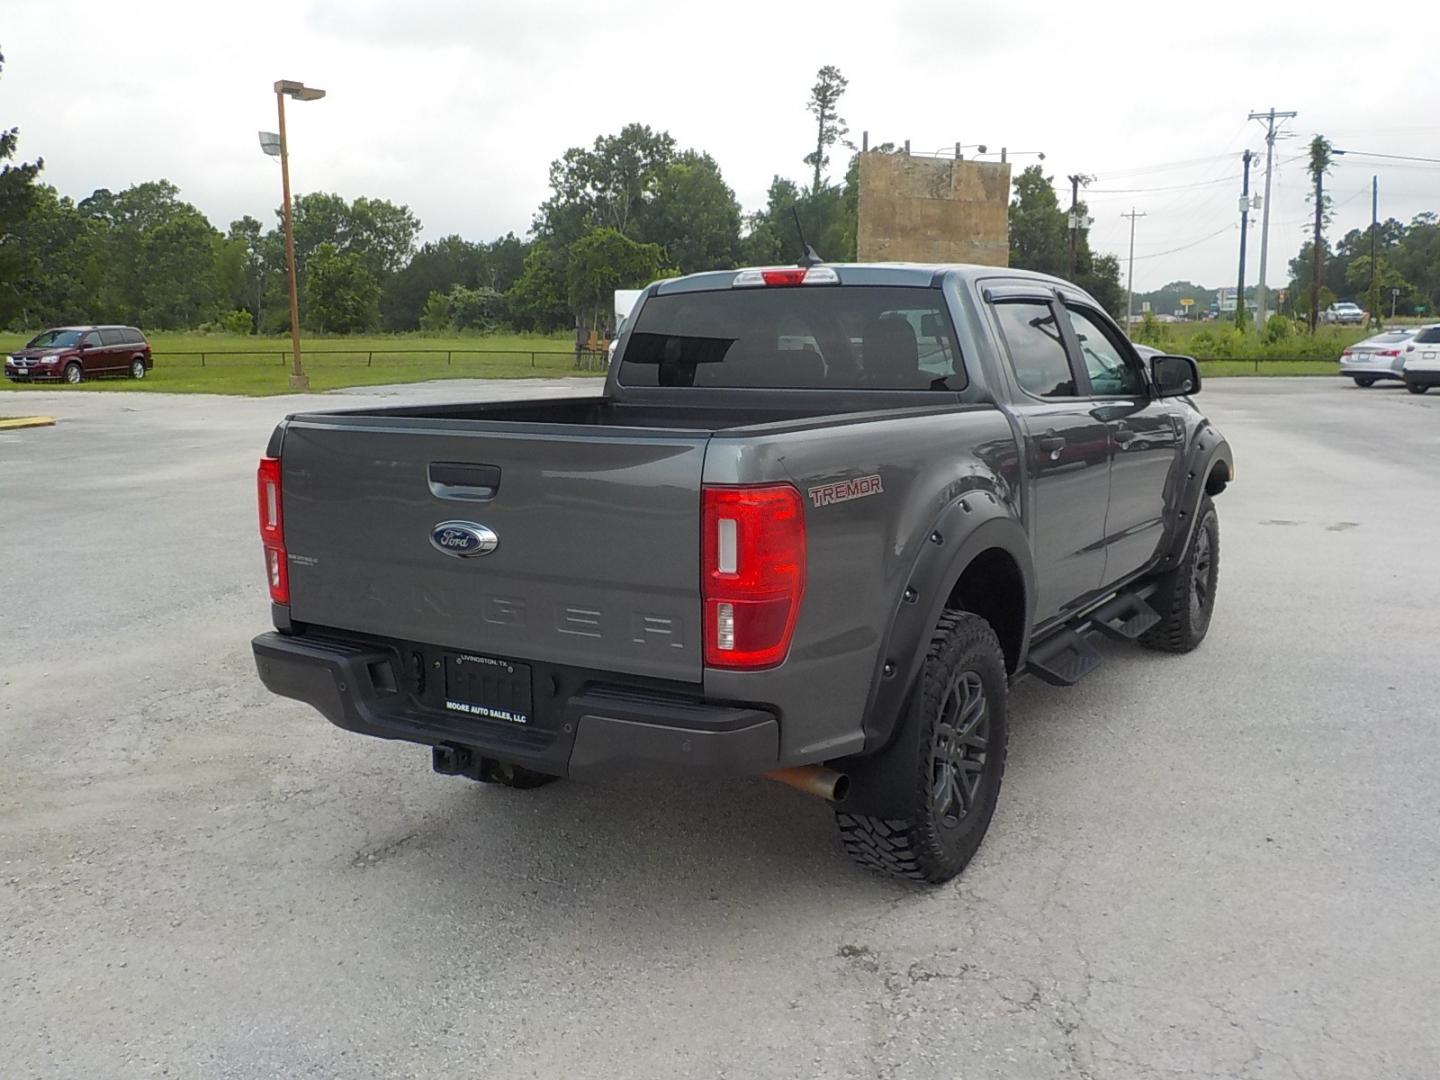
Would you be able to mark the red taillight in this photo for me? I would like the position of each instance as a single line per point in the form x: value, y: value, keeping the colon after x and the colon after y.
x: 1390, y: 352
x: 752, y: 573
x: 272, y: 529
x: 787, y: 276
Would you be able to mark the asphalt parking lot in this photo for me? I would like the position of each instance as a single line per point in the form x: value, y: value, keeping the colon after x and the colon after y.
x: 1225, y: 864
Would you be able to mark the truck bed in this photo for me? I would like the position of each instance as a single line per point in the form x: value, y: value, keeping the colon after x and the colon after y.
x: 595, y: 412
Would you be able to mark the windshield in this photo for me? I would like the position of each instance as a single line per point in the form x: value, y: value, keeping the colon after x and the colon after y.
x: 802, y: 337
x: 55, y: 339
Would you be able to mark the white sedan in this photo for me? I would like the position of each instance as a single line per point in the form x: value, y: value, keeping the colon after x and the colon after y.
x: 1422, y: 360
x: 1378, y: 357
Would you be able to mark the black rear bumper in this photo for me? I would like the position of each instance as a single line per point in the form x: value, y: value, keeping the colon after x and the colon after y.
x: 583, y: 727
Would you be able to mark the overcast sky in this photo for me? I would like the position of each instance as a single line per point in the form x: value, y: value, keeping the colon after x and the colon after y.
x: 457, y: 107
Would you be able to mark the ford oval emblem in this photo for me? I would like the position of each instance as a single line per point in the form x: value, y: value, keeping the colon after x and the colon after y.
x: 463, y: 539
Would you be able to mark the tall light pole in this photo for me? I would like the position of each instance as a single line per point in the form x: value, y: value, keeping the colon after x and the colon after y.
x: 300, y: 92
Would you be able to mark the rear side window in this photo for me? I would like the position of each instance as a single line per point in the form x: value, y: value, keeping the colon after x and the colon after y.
x: 133, y: 336
x: 112, y: 337
x: 1037, y: 349
x: 855, y: 337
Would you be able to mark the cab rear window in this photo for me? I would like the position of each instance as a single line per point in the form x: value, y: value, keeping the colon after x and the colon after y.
x: 854, y: 337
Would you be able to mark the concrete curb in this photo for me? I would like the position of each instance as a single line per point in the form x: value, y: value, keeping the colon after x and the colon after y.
x: 26, y: 421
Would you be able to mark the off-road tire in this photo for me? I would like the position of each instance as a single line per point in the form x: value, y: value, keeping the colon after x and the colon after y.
x: 1185, y: 596
x: 929, y: 843
x: 1364, y: 380
x: 74, y: 373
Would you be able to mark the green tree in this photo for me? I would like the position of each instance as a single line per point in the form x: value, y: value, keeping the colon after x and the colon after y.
x: 317, y: 218
x: 827, y: 218
x: 824, y: 103
x: 179, y: 287
x: 436, y: 268
x: 539, y: 299
x: 504, y: 262
x: 129, y: 231
x: 435, y: 319
x: 1387, y: 277
x: 693, y: 214
x: 17, y: 197
x: 605, y: 186
x: 474, y: 309
x: 248, y: 236
x: 382, y: 234
x: 1417, y: 257
x: 1318, y: 166
x: 341, y: 295
x: 1099, y: 275
x: 1038, y: 237
x: 53, y: 241
x: 603, y: 261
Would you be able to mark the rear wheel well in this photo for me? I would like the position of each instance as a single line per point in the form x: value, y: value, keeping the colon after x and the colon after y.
x: 993, y: 588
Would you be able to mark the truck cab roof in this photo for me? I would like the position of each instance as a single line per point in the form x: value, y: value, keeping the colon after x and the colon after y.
x: 914, y: 275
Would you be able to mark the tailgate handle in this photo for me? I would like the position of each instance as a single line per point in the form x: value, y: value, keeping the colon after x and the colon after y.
x: 460, y: 480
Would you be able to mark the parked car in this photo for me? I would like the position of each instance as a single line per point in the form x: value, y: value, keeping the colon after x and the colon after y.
x: 77, y: 353
x: 1345, y: 313
x: 817, y: 523
x: 1378, y: 357
x: 1422, y: 360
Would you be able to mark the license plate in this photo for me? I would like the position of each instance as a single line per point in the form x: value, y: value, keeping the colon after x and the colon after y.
x: 488, y: 687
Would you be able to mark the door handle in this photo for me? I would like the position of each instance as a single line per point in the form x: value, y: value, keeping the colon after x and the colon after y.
x: 1123, y: 436
x: 461, y: 480
x: 1051, y: 443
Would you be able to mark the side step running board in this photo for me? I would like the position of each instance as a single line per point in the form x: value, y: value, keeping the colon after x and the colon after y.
x: 1067, y: 657
x: 1063, y: 660
x: 1125, y: 618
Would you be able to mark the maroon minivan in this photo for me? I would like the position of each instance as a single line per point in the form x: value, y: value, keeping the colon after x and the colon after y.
x: 77, y: 353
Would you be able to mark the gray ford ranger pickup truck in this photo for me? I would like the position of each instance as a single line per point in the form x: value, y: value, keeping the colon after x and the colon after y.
x: 820, y: 519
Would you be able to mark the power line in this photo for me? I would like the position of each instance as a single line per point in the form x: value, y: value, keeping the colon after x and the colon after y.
x: 1392, y: 157
x: 1172, y: 187
x: 1182, y: 247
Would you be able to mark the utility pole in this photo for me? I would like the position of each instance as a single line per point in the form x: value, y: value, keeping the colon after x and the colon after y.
x: 1130, y: 283
x: 1374, y: 304
x: 1316, y: 254
x: 1244, y: 227
x: 1075, y: 181
x: 1270, y: 118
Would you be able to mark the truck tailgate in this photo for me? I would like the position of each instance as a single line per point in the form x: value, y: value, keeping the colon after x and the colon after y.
x: 597, y: 562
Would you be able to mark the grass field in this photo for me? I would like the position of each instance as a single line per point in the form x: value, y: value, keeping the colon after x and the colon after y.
x: 219, y: 364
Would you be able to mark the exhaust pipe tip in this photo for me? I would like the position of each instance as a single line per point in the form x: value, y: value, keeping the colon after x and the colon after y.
x: 817, y: 780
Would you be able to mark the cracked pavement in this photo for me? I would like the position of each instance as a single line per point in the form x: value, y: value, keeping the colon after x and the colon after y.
x: 1219, y: 865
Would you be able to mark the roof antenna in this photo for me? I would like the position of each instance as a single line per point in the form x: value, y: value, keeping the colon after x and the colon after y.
x: 809, y: 256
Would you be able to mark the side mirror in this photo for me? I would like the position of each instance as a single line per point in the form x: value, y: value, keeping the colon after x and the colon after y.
x: 1174, y: 376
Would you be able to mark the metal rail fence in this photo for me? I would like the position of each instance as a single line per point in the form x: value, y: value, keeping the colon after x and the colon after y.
x: 584, y: 360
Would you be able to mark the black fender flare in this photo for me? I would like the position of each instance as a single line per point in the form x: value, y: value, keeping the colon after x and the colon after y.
x: 1207, y: 449
x: 975, y: 523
